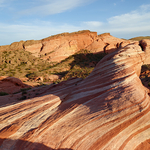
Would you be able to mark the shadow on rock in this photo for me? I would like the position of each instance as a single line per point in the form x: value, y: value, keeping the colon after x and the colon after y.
x: 25, y: 145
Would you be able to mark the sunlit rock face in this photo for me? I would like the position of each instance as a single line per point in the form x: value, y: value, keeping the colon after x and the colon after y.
x: 59, y: 47
x: 109, y: 110
x: 11, y: 85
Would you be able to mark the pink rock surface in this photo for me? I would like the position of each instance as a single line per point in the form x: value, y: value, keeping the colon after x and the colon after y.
x: 62, y: 46
x: 33, y: 46
x: 59, y: 47
x: 11, y: 85
x: 109, y: 110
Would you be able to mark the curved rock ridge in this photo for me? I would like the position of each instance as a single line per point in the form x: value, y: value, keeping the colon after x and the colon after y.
x: 109, y: 110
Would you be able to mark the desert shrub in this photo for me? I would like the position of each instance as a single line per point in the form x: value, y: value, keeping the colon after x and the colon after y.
x: 78, y: 72
x: 33, y: 75
x: 24, y: 89
x: 11, y: 74
x: 3, y: 93
x: 23, y: 97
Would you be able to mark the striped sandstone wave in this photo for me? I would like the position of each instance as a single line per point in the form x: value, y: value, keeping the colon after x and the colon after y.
x: 109, y: 110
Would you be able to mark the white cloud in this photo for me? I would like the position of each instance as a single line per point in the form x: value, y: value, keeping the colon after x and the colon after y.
x: 129, y: 19
x: 16, y: 32
x: 131, y: 23
x: 135, y: 23
x: 92, y: 24
x: 49, y: 7
x: 145, y: 7
x: 138, y: 16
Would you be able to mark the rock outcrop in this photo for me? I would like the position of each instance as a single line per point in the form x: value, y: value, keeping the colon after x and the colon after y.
x: 58, y: 47
x: 11, y: 85
x: 110, y: 110
x: 145, y: 44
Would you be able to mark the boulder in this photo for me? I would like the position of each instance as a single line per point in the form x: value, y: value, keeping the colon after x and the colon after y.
x: 40, y: 79
x: 11, y: 85
x: 53, y: 77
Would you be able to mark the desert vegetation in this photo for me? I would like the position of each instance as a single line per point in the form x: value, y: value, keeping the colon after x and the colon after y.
x: 3, y: 93
x: 145, y: 75
x: 140, y: 38
x: 21, y: 64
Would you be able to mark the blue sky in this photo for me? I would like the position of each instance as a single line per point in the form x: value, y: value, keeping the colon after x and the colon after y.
x: 37, y: 19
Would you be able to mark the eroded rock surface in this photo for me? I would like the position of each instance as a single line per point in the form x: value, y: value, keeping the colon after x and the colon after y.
x: 110, y: 110
x: 11, y: 85
x: 59, y: 47
x: 145, y: 44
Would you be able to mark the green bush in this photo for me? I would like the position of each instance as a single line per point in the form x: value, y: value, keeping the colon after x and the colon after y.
x: 23, y: 98
x: 3, y: 93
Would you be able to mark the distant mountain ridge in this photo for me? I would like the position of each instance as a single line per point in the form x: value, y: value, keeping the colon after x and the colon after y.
x: 58, y: 47
x: 139, y: 38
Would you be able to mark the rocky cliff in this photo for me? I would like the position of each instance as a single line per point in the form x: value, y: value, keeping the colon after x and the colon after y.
x: 58, y: 47
x: 110, y: 110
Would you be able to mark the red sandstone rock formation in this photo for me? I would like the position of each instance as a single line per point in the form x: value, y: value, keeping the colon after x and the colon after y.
x: 33, y: 46
x: 107, y: 43
x: 58, y: 47
x: 11, y: 85
x: 145, y: 44
x: 109, y: 110
x: 62, y: 46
